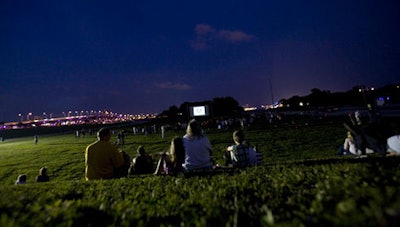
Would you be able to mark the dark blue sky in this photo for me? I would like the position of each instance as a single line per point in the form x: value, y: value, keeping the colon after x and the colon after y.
x: 144, y: 56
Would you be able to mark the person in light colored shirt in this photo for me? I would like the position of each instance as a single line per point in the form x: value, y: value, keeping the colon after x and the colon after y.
x: 198, y: 148
x: 393, y: 145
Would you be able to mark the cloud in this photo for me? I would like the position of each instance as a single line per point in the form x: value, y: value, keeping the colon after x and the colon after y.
x: 199, y: 44
x: 205, y: 34
x: 203, y: 29
x: 174, y: 86
x: 234, y: 36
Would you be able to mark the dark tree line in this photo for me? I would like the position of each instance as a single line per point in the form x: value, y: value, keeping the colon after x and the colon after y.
x: 358, y: 96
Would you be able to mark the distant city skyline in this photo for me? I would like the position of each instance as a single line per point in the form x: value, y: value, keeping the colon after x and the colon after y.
x: 48, y: 115
x: 143, y: 57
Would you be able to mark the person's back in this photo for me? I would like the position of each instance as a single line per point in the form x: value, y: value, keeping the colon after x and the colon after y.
x: 143, y: 163
x: 101, y: 158
x: 197, y: 153
x: 240, y: 153
x: 171, y: 163
x: 42, y: 177
x: 197, y: 148
x: 21, y: 179
x: 178, y: 155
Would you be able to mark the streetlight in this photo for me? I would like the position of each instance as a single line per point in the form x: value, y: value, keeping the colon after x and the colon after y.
x: 28, y: 117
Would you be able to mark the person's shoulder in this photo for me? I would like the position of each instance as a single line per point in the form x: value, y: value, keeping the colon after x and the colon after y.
x: 93, y: 143
x: 242, y: 145
x: 106, y: 144
x: 138, y: 158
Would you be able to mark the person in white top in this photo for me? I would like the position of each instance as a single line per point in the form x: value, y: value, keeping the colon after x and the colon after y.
x: 393, y: 145
x: 198, y: 148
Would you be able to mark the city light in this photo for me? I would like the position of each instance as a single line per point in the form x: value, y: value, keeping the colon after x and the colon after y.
x: 74, y: 118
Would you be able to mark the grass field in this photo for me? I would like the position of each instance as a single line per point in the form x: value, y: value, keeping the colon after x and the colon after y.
x: 302, y: 182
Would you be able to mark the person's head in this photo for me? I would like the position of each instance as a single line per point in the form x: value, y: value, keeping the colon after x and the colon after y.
x: 193, y: 128
x: 141, y: 150
x: 349, y: 135
x: 238, y: 136
x: 43, y: 171
x: 104, y: 134
x: 177, y: 150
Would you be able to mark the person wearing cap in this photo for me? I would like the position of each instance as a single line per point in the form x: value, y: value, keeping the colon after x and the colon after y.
x: 102, y: 157
x: 393, y: 145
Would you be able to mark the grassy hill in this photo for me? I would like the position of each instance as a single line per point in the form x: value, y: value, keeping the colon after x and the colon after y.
x: 302, y: 182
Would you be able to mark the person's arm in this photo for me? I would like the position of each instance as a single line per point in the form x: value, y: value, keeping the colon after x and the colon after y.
x: 346, y: 144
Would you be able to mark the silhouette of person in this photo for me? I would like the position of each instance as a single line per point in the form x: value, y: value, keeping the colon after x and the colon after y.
x: 171, y: 163
x: 21, y: 179
x: 142, y: 163
x: 42, y: 177
x: 102, y: 157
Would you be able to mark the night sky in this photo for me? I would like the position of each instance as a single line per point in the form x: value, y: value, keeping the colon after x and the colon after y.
x: 145, y: 56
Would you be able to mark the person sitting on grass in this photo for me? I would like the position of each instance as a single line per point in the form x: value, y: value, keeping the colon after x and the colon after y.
x: 102, y: 157
x: 21, y: 179
x: 141, y: 164
x: 42, y: 177
x: 240, y: 154
x: 197, y: 148
x: 171, y: 163
x: 349, y: 146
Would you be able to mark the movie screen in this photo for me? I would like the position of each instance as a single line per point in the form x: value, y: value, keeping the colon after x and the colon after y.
x: 199, y: 111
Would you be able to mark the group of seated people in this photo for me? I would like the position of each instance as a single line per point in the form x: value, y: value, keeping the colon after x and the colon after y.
x: 192, y: 152
x: 42, y: 177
